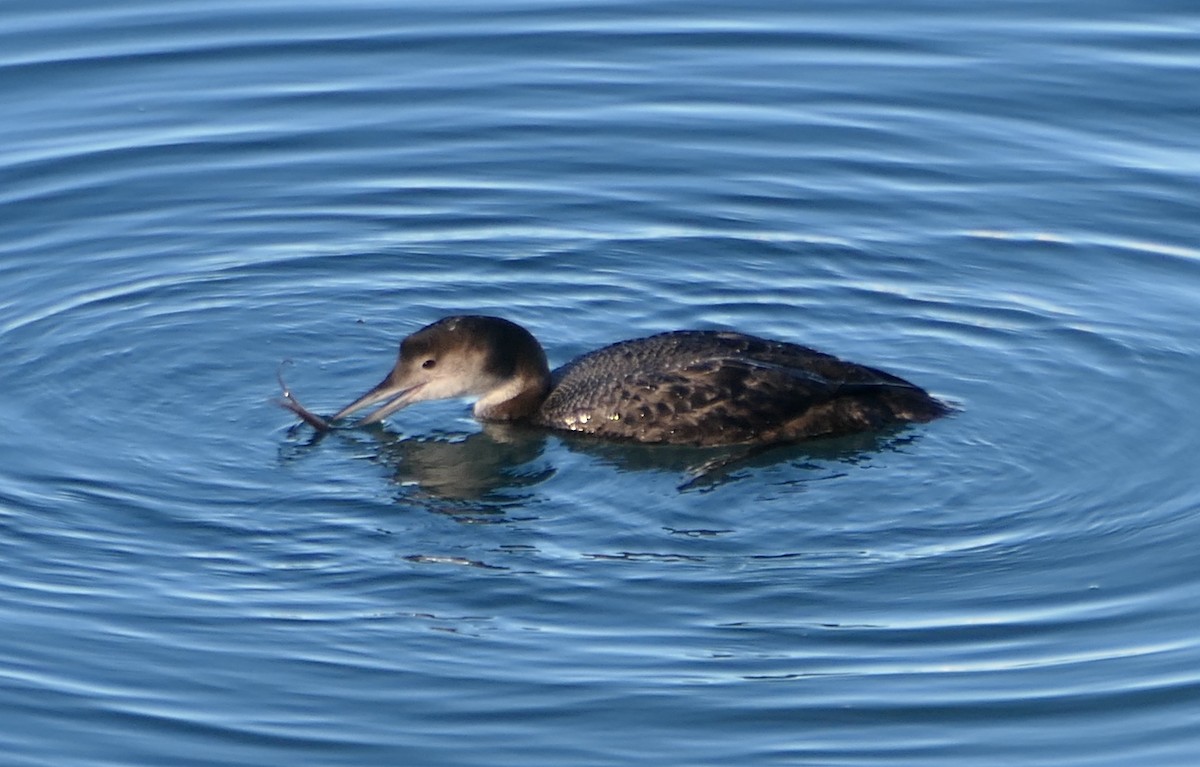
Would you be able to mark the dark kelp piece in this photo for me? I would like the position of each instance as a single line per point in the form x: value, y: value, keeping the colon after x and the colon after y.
x: 288, y: 401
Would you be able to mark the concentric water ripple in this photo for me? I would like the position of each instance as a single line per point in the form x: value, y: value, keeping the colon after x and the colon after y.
x: 999, y: 208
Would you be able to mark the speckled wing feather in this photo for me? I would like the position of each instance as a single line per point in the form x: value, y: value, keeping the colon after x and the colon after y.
x: 705, y: 387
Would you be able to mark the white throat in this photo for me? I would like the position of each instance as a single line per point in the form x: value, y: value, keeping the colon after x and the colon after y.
x: 507, y: 390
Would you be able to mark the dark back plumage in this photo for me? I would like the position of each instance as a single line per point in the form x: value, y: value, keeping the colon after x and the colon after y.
x: 719, y: 388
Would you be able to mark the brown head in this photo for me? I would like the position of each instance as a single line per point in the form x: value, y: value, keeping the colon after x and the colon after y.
x: 490, y: 358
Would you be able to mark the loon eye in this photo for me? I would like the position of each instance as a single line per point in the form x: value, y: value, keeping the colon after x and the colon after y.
x: 427, y: 364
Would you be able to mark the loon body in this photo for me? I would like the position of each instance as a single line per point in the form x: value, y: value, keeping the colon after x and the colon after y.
x: 690, y: 387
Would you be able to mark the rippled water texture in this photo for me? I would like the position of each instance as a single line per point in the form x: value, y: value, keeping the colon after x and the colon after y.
x: 997, y: 202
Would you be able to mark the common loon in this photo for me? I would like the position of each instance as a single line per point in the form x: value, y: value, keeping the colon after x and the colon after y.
x: 688, y: 387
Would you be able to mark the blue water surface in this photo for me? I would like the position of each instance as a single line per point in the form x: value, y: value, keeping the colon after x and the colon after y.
x: 997, y: 201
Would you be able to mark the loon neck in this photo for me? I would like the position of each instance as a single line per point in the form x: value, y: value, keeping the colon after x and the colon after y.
x: 517, y: 366
x: 515, y: 399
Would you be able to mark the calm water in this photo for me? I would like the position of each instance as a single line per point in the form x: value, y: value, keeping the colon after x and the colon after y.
x: 996, y: 200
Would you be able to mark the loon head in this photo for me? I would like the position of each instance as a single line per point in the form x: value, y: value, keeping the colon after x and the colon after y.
x: 497, y: 361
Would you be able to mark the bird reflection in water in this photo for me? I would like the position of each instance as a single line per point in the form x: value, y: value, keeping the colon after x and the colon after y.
x: 485, y: 475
